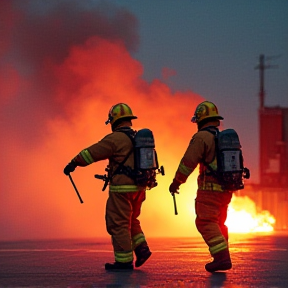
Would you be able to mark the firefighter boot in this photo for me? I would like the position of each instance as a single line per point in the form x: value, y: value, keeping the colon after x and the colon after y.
x: 119, y: 266
x: 142, y: 253
x: 222, y: 261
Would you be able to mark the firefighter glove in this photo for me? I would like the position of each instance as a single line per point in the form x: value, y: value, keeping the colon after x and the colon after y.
x: 174, y: 187
x: 70, y: 168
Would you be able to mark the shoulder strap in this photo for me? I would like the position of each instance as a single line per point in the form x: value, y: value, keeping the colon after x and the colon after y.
x: 213, y: 130
x: 130, y: 133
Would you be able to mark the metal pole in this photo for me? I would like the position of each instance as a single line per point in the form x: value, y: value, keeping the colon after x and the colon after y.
x: 81, y: 201
x: 175, y: 206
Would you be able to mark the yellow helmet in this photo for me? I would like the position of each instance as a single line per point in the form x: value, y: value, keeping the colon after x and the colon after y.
x: 118, y: 111
x: 206, y: 110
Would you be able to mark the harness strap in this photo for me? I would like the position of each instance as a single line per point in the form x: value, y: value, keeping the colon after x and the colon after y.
x: 121, y: 169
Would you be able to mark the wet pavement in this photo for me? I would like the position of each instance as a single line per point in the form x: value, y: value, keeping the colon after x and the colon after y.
x: 259, y: 260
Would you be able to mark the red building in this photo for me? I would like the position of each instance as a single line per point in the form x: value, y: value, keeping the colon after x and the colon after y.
x: 272, y: 193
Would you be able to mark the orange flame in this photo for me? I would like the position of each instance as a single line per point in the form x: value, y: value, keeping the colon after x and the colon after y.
x: 243, y: 217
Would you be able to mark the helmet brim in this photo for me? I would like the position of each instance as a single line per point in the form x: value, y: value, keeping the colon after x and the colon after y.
x: 130, y: 117
x: 194, y: 120
x: 121, y: 118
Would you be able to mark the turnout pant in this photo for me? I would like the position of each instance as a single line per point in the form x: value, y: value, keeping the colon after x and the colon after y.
x: 211, y: 213
x: 122, y: 212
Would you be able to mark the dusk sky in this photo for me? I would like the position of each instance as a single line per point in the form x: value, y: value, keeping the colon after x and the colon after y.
x: 63, y: 64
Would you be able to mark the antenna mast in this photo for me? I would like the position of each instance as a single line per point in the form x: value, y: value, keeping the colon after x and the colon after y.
x: 261, y: 66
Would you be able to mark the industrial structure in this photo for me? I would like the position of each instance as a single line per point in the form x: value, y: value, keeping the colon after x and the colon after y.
x: 271, y: 193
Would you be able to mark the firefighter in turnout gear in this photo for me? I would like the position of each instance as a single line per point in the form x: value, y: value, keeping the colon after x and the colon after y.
x: 211, y: 203
x: 125, y: 199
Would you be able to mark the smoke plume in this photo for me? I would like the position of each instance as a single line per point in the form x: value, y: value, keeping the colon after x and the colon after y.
x: 62, y: 66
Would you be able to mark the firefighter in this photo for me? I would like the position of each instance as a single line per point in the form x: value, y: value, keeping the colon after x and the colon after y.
x: 211, y: 203
x: 125, y: 199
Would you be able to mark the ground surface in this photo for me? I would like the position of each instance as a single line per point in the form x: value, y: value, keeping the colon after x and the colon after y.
x: 258, y: 261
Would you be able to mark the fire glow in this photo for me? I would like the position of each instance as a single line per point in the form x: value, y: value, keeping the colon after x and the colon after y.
x: 243, y: 217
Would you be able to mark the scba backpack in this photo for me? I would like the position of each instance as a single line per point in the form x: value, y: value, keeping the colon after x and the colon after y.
x: 146, y: 165
x: 230, y: 169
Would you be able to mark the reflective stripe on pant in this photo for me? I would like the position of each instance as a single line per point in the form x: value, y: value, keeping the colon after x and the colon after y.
x: 211, y: 213
x: 122, y: 211
x: 137, y: 240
